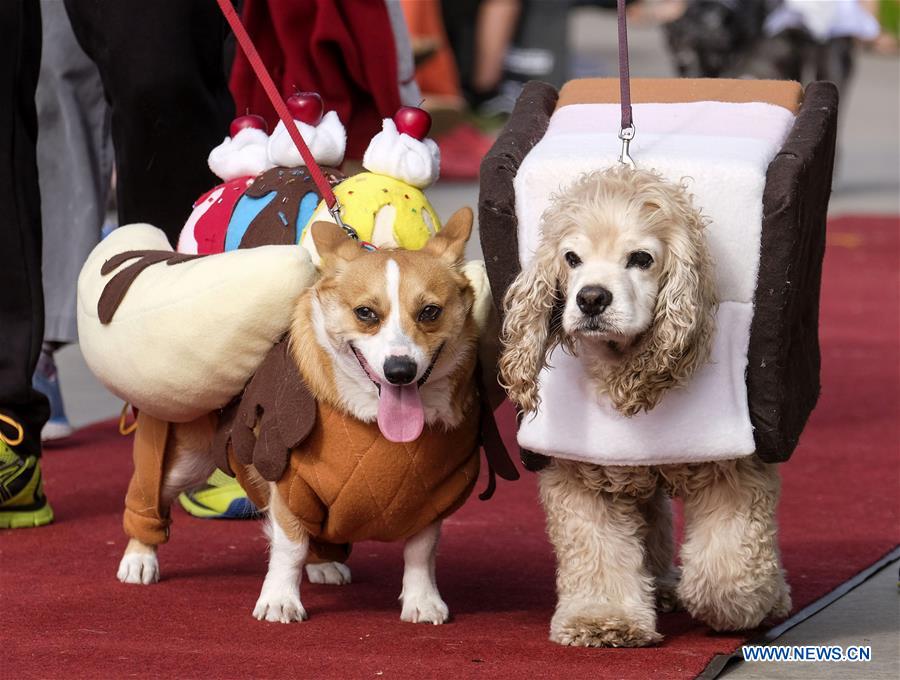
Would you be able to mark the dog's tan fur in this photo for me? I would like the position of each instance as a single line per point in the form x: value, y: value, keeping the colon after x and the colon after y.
x: 323, y: 322
x: 611, y: 526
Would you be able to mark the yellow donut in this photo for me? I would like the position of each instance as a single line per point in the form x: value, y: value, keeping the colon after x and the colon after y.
x: 383, y: 210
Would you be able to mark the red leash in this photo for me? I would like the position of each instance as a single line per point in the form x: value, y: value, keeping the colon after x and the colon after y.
x: 281, y: 109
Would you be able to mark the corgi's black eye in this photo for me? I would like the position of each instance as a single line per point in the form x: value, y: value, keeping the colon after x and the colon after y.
x: 430, y: 313
x: 640, y: 259
x: 366, y: 315
x: 572, y: 259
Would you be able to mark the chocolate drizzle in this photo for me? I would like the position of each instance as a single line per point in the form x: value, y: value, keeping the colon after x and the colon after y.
x: 116, y: 288
x: 276, y: 224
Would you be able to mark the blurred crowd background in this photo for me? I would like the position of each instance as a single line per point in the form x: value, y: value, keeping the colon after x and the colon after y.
x: 473, y: 56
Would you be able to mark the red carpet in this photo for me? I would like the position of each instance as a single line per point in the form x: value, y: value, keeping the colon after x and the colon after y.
x: 63, y: 612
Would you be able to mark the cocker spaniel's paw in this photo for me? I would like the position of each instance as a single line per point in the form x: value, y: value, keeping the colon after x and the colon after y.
x: 330, y: 573
x: 740, y: 605
x: 424, y: 606
x: 598, y: 629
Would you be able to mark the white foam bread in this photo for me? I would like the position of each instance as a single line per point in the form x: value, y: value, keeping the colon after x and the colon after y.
x: 187, y: 337
x: 722, y: 150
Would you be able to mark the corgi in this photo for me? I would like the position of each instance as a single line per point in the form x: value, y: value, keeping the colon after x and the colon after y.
x: 363, y: 423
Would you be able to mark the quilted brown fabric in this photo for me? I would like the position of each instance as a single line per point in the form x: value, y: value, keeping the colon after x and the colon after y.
x: 347, y: 483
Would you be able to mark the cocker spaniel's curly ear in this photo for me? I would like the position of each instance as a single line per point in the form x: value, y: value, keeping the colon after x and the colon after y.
x: 679, y: 340
x: 531, y: 326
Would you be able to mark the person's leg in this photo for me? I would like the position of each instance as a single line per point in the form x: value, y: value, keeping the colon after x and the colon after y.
x: 162, y: 67
x: 75, y: 159
x: 23, y: 410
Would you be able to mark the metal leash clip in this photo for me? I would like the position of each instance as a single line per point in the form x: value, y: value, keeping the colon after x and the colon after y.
x: 626, y: 135
x: 335, y: 211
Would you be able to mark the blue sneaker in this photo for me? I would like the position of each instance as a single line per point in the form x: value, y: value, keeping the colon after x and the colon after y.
x: 46, y: 381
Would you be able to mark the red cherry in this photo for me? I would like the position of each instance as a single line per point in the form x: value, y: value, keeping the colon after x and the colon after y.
x: 307, y: 107
x: 413, y: 121
x: 251, y: 120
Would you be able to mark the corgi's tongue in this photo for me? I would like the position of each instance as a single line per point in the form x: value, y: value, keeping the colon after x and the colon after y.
x: 401, y: 416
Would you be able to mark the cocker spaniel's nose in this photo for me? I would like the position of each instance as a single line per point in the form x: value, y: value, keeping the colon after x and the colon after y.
x: 400, y: 370
x: 592, y: 300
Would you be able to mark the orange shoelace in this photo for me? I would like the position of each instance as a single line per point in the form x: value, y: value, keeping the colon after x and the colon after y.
x: 20, y: 431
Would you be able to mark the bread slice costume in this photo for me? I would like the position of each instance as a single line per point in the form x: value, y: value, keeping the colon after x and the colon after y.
x: 759, y: 158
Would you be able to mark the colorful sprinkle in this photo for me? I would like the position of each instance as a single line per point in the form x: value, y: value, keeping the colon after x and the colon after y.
x: 283, y: 218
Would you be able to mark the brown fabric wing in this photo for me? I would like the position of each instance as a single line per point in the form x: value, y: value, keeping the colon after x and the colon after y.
x: 495, y: 452
x: 274, y: 415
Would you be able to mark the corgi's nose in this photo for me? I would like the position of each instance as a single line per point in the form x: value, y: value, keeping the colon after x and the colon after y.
x: 592, y: 300
x: 400, y: 370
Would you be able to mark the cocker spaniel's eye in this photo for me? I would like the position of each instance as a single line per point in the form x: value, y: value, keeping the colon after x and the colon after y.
x: 572, y: 259
x: 366, y: 315
x: 429, y: 313
x: 640, y: 259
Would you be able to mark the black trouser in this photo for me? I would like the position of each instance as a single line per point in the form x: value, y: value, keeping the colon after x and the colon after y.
x: 21, y: 298
x: 162, y: 67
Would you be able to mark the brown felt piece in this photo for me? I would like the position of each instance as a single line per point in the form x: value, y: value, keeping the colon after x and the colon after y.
x: 275, y: 413
x: 347, y: 483
x: 783, y: 358
x: 492, y: 444
x: 117, y: 287
x: 276, y: 224
x: 784, y: 93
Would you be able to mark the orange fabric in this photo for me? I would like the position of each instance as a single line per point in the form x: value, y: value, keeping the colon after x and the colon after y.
x: 346, y: 483
x: 437, y: 74
x: 143, y: 518
x: 785, y: 93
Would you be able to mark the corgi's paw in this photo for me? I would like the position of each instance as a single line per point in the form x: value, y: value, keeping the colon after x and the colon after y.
x: 424, y: 606
x: 331, y: 573
x: 279, y: 605
x: 139, y: 565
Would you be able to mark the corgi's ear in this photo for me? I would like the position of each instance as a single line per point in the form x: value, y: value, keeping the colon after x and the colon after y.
x: 333, y: 244
x: 449, y: 244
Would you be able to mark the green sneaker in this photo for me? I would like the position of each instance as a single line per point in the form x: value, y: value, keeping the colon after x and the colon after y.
x: 22, y: 499
x: 220, y: 498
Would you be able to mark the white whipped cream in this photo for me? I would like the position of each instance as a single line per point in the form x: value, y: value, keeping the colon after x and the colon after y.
x: 241, y: 155
x: 327, y: 142
x: 403, y: 157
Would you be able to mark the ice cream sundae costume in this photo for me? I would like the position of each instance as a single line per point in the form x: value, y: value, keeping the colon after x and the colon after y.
x: 179, y: 334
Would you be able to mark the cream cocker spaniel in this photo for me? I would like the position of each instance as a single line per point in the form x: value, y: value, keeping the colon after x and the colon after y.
x: 623, y: 279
